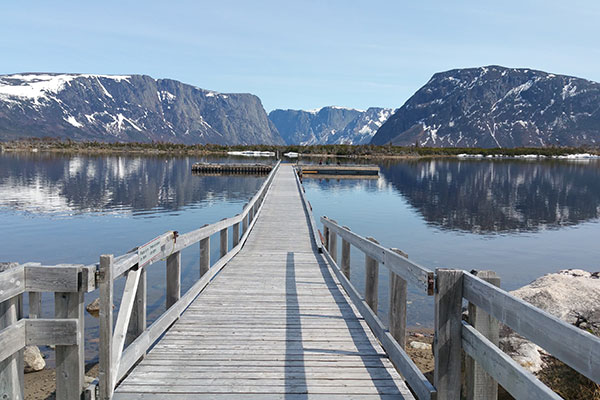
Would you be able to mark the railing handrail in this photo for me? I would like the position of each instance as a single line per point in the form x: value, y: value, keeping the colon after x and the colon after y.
x: 573, y: 346
x: 577, y: 348
x: 308, y: 208
x: 129, y: 260
x: 115, y: 358
x: 400, y: 265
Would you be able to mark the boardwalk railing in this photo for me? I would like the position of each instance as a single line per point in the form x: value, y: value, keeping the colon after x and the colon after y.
x: 65, y: 330
x: 115, y: 360
x: 402, y: 271
x: 486, y: 365
x: 120, y: 348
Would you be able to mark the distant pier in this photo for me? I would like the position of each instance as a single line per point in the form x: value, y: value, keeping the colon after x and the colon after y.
x: 242, y: 168
x: 339, y: 171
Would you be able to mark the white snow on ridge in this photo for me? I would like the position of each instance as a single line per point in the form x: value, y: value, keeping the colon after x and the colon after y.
x: 35, y: 86
x: 71, y: 119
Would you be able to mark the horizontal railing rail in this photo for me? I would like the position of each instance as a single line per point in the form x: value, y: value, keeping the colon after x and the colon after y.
x: 171, y: 242
x: 486, y: 365
x: 123, y: 345
x: 69, y: 283
x: 575, y: 347
x: 392, y: 338
x: 308, y: 208
x: 120, y: 348
x: 395, y: 262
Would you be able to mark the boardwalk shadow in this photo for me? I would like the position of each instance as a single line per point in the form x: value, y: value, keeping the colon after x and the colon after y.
x: 358, y: 335
x: 295, y: 376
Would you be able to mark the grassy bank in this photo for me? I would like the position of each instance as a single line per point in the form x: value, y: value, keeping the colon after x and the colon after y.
x: 46, y: 144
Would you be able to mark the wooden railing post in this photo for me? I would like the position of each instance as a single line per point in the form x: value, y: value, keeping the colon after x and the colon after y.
x: 11, y: 369
x: 448, y: 334
x: 173, y: 278
x: 333, y: 245
x: 346, y: 256
x: 245, y: 222
x: 236, y: 234
x: 326, y: 236
x: 35, y: 305
x: 105, y: 372
x: 397, y: 313
x: 371, y: 280
x: 223, y: 242
x: 204, y: 255
x: 70, y: 360
x: 479, y: 385
x: 137, y: 323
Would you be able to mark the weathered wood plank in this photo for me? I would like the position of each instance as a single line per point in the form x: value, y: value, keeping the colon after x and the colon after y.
x: 11, y: 366
x: 447, y: 339
x: 296, y: 318
x: 173, y: 278
x: 12, y: 283
x: 415, y: 378
x: 236, y: 234
x: 204, y: 255
x: 223, y: 242
x: 105, y: 373
x: 139, y: 346
x: 479, y: 384
x: 12, y: 339
x: 345, y: 262
x: 124, y: 316
x: 137, y: 322
x: 35, y: 305
x: 62, y: 278
x: 408, y: 270
x: 573, y: 346
x: 70, y: 359
x: 515, y: 379
x: 52, y: 332
x: 371, y: 280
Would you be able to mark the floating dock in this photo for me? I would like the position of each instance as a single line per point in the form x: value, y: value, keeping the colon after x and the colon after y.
x: 242, y: 168
x: 339, y: 171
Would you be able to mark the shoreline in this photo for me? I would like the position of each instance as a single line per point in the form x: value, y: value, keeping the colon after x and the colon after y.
x: 312, y: 151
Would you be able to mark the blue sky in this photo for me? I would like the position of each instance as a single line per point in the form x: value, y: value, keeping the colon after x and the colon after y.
x: 304, y: 54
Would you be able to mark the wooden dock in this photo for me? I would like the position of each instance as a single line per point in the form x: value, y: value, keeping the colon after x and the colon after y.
x: 275, y: 317
x: 230, y: 168
x: 342, y: 170
x: 273, y: 324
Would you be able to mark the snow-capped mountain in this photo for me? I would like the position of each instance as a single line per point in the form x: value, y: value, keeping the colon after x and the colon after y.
x: 329, y: 125
x: 128, y: 108
x: 497, y: 107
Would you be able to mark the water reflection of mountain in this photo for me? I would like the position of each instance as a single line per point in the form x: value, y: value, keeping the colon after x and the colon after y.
x: 47, y: 183
x: 500, y: 196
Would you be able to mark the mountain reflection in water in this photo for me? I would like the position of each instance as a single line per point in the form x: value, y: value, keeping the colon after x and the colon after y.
x: 498, y: 196
x: 71, y: 185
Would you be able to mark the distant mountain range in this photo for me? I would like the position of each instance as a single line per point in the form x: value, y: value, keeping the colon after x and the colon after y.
x: 128, y: 108
x: 329, y: 125
x: 497, y: 107
x: 475, y: 107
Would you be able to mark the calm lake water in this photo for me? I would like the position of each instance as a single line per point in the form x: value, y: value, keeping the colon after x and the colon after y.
x: 519, y: 218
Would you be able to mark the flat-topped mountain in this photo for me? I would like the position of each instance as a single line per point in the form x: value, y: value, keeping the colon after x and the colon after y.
x: 497, y: 107
x: 128, y: 108
x: 329, y: 125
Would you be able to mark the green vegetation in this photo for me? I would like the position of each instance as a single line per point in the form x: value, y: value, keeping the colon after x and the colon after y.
x: 345, y: 150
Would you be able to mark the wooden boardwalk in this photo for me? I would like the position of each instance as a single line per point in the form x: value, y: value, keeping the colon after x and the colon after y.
x: 275, y: 323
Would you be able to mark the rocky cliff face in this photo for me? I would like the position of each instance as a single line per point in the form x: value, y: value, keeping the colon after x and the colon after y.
x: 497, y: 107
x: 329, y: 125
x: 128, y: 108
